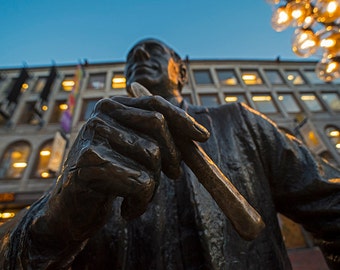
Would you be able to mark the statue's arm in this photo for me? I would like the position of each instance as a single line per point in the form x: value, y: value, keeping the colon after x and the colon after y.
x: 303, y: 188
x: 55, y: 228
x: 119, y: 152
x: 310, y: 187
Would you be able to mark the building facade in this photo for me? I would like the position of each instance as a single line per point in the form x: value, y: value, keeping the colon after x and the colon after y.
x: 33, y: 100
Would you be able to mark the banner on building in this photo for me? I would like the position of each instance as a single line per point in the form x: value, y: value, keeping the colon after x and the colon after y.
x: 16, y: 89
x: 7, y: 106
x: 66, y: 119
x: 41, y: 104
x: 57, y: 154
x: 311, y: 138
x: 47, y: 88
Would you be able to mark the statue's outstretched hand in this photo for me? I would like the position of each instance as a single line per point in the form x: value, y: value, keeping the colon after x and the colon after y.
x: 123, y: 147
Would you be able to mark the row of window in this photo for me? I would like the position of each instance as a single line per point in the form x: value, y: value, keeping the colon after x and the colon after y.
x: 267, y: 103
x: 232, y: 77
x: 291, y: 103
x: 264, y: 102
x: 225, y: 77
x: 17, y: 155
x: 96, y: 81
x: 333, y: 135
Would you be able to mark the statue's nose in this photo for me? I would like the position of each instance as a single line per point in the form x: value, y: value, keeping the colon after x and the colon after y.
x: 140, y: 54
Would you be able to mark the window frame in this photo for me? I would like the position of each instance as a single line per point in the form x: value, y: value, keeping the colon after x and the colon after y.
x: 19, y: 144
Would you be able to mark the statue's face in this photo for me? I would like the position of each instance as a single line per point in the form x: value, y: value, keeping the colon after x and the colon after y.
x: 151, y: 64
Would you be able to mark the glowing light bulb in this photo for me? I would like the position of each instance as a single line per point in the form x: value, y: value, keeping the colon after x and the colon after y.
x: 331, y: 43
x: 281, y: 19
x: 299, y: 11
x: 334, y: 133
x: 305, y: 43
x: 44, y: 174
x: 63, y: 107
x: 328, y: 69
x: 19, y: 165
x: 45, y: 152
x: 327, y: 11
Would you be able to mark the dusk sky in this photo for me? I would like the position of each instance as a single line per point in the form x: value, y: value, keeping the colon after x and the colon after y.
x: 65, y: 32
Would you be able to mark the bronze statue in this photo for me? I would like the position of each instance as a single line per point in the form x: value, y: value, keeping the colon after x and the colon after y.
x: 125, y: 199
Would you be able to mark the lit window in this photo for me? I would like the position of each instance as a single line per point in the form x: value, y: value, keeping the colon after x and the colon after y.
x: 59, y: 107
x: 312, y: 77
x: 13, y: 81
x: 295, y: 77
x: 118, y: 81
x: 24, y: 87
x: 274, y: 77
x: 14, y: 160
x: 227, y: 77
x: 293, y: 234
x: 332, y: 99
x: 251, y: 77
x: 28, y: 116
x: 96, y: 81
x: 68, y: 83
x: 311, y: 102
x: 235, y: 98
x: 264, y: 103
x: 42, y: 160
x: 203, y: 76
x: 209, y: 100
x: 7, y: 214
x: 333, y: 134
x: 39, y: 85
x: 289, y: 103
x: 88, y: 106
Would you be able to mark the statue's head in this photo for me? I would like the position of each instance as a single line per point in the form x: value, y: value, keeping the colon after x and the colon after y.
x: 155, y: 65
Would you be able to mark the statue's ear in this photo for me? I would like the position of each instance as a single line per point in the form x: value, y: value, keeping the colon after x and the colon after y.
x: 183, y: 75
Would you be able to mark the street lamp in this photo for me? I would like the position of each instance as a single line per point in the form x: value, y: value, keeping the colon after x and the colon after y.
x: 317, y: 24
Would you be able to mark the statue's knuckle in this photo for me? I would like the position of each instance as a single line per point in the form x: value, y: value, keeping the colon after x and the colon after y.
x: 159, y: 118
x: 94, y: 122
x: 153, y: 151
x: 102, y: 104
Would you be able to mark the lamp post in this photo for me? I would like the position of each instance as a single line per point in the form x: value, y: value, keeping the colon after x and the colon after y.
x: 317, y: 24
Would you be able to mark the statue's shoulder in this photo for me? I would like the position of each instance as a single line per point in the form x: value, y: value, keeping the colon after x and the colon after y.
x: 220, y: 108
x: 229, y: 108
x: 238, y: 111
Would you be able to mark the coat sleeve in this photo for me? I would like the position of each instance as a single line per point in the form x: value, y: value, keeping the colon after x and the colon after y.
x: 54, y: 229
x: 304, y: 188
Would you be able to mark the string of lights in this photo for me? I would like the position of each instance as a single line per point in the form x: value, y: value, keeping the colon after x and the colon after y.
x: 317, y: 32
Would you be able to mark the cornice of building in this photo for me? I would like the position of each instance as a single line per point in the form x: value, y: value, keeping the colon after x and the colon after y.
x: 188, y: 60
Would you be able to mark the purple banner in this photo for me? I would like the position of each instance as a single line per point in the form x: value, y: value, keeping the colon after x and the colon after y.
x: 66, y: 121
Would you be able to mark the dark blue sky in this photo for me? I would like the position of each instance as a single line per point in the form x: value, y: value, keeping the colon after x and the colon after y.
x: 39, y: 32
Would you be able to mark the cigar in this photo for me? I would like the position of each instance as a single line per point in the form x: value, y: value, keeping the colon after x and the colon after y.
x: 244, y: 218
